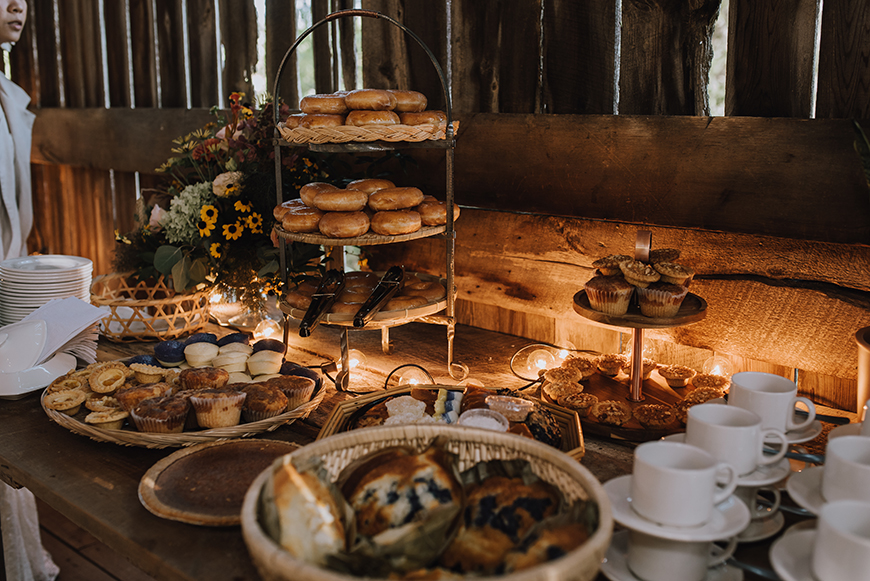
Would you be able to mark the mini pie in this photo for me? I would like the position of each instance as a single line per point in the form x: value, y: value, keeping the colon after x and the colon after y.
x: 710, y: 380
x: 585, y: 367
x: 67, y: 382
x: 655, y: 416
x: 610, y: 363
x: 609, y: 265
x: 611, y: 412
x: 67, y: 402
x: 677, y: 375
x: 98, y: 402
x: 663, y: 255
x: 579, y: 402
x: 638, y: 273
x: 562, y: 375
x: 107, y: 379
x: 702, y: 394
x: 146, y: 373
x: 107, y: 420
x: 559, y: 390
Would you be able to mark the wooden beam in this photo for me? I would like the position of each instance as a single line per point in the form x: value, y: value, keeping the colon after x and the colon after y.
x: 844, y: 73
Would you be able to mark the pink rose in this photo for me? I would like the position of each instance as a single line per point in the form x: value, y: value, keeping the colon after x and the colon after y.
x: 157, y: 214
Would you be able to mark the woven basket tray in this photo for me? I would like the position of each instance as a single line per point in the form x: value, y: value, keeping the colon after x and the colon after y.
x: 146, y: 311
x: 347, y: 133
x: 472, y: 446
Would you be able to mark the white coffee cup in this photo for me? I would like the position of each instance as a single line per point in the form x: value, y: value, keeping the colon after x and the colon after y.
x: 841, y: 549
x: 655, y: 559
x: 675, y: 484
x: 772, y: 397
x: 865, y: 421
x: 733, y: 435
x: 749, y: 496
x: 846, y: 475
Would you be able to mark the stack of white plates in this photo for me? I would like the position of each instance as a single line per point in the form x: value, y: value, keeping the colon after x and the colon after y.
x: 29, y: 282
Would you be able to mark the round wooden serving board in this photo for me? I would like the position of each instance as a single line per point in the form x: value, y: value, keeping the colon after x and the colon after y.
x: 693, y: 309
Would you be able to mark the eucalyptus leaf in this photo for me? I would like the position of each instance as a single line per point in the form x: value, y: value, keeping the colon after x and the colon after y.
x: 166, y: 257
x: 180, y: 273
x: 198, y: 271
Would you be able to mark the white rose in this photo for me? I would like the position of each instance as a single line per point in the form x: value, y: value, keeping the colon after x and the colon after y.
x: 227, y: 183
x: 157, y: 214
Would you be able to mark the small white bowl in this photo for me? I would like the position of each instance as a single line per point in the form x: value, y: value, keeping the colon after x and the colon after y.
x: 485, y: 419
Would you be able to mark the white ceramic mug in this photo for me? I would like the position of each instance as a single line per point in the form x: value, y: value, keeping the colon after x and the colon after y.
x: 733, y: 435
x: 675, y: 484
x: 865, y: 424
x: 841, y: 549
x: 772, y: 397
x: 749, y: 496
x: 846, y: 475
x: 655, y: 559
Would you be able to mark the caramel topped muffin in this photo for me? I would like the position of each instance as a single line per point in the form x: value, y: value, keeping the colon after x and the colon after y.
x: 702, y: 394
x: 677, y: 375
x: 610, y: 363
x: 162, y: 415
x: 663, y: 255
x: 579, y: 402
x: 611, y: 412
x: 262, y: 401
x: 654, y: 416
x: 555, y: 391
x: 130, y: 398
x: 674, y: 273
x: 718, y: 382
x: 297, y: 388
x: 203, y: 378
x: 217, y: 408
x: 609, y: 265
x: 661, y: 300
x: 585, y: 367
x: 609, y: 294
x: 562, y: 375
x: 638, y: 273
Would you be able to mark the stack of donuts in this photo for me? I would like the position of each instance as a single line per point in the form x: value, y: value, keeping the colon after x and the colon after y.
x: 366, y: 204
x: 359, y: 285
x: 365, y: 107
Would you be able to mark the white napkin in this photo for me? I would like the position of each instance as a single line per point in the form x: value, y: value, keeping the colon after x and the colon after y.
x: 70, y: 325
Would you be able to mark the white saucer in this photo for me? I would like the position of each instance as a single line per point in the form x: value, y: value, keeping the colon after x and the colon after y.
x: 804, y: 525
x: 762, y: 476
x: 845, y: 430
x: 805, y: 488
x: 762, y: 528
x: 46, y: 263
x: 729, y: 517
x: 615, y: 564
x: 804, y: 435
x: 791, y: 556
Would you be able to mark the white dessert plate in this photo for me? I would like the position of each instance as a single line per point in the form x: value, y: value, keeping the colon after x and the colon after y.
x: 805, y: 488
x: 21, y: 345
x: 762, y: 528
x: 845, y: 430
x: 762, y: 476
x: 804, y: 435
x: 729, y: 517
x: 791, y: 556
x: 615, y: 564
x: 17, y: 384
x: 56, y: 263
x: 11, y: 286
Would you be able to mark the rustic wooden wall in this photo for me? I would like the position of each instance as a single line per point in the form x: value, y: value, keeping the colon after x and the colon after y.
x: 770, y: 206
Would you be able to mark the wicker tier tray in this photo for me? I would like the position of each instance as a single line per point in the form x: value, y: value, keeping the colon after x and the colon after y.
x: 350, y: 133
x: 472, y: 445
x: 128, y: 437
x: 367, y: 239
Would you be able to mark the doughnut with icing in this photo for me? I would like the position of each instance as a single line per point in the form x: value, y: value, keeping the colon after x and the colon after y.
x: 341, y: 201
x: 370, y: 185
x: 285, y: 207
x: 437, y: 118
x: 430, y: 290
x: 309, y: 191
x: 357, y: 294
x: 323, y: 103
x: 371, y: 100
x: 401, y: 303
x: 435, y: 213
x: 409, y: 100
x: 366, y: 118
x: 360, y: 278
x: 315, y: 120
x: 395, y: 199
x: 395, y: 222
x: 301, y: 218
x: 344, y: 224
x: 345, y: 308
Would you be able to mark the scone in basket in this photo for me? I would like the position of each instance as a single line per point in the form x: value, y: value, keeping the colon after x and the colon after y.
x: 147, y: 310
x: 472, y: 445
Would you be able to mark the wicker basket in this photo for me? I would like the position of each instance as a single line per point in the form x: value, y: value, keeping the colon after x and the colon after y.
x: 346, y: 133
x: 472, y: 445
x: 147, y: 310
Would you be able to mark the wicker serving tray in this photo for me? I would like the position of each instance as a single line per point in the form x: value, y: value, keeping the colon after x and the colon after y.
x: 367, y: 239
x: 472, y: 446
x: 128, y: 437
x: 348, y: 133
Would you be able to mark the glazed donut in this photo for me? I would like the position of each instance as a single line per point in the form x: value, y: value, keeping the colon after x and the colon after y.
x: 301, y: 218
x: 292, y: 121
x: 410, y: 101
x: 344, y: 308
x: 430, y: 290
x: 344, y: 224
x: 357, y: 278
x: 327, y: 104
x: 371, y: 185
x: 435, y: 213
x: 371, y: 100
x: 401, y: 303
x: 357, y: 294
x: 395, y: 199
x: 341, y: 201
x: 428, y: 198
x: 282, y: 209
x: 297, y: 299
x: 366, y: 118
x: 395, y: 222
x: 308, y: 286
x: 315, y: 120
x: 309, y: 191
x: 437, y: 118
x: 410, y: 279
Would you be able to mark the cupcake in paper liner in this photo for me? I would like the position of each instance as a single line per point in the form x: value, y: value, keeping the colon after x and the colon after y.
x: 216, y: 408
x: 661, y: 300
x: 610, y: 295
x: 161, y: 415
x: 298, y: 389
x: 263, y: 401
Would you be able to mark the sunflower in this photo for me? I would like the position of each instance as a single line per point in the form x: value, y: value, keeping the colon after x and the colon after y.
x: 255, y: 223
x: 208, y: 213
x: 240, y: 206
x: 215, y: 250
x: 205, y: 227
x: 233, y: 231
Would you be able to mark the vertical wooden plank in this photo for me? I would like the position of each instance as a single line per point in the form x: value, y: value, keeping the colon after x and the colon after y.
x: 347, y: 45
x: 81, y: 54
x: 280, y: 35
x: 322, y: 48
x: 771, y: 51
x: 171, y: 50
x: 665, y: 58
x: 202, y: 44
x: 42, y: 19
x: 844, y: 60
x: 238, y: 28
x: 829, y: 391
x: 579, y: 53
x: 428, y: 20
x: 143, y: 46
x: 117, y: 53
x: 385, y: 48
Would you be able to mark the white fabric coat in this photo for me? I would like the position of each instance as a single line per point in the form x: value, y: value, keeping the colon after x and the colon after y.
x: 16, y: 206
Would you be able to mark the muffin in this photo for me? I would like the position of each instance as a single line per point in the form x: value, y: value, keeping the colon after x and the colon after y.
x: 68, y: 401
x: 203, y: 377
x: 663, y: 255
x: 674, y: 273
x: 161, y: 415
x: 611, y: 412
x: 677, y: 375
x: 217, y: 408
x: 130, y: 398
x: 661, y: 300
x: 262, y: 401
x: 718, y: 382
x: 298, y: 389
x: 638, y: 273
x: 647, y: 367
x: 579, y: 402
x: 654, y: 416
x: 609, y: 265
x: 610, y: 363
x: 610, y: 295
x: 582, y: 365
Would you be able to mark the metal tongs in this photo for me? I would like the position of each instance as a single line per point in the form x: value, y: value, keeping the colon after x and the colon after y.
x: 384, y: 291
x: 322, y: 300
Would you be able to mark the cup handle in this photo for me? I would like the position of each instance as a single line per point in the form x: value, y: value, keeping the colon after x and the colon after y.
x: 783, y: 448
x: 721, y: 554
x: 728, y: 486
x: 768, y: 510
x: 811, y: 408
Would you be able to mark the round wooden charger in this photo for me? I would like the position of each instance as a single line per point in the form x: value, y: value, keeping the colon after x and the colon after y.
x: 206, y: 484
x: 693, y: 309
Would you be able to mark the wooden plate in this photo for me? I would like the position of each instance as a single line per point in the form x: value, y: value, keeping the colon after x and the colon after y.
x: 693, y: 309
x: 206, y: 484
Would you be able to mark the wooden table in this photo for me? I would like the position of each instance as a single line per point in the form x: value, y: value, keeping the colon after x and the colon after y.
x: 94, y: 484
